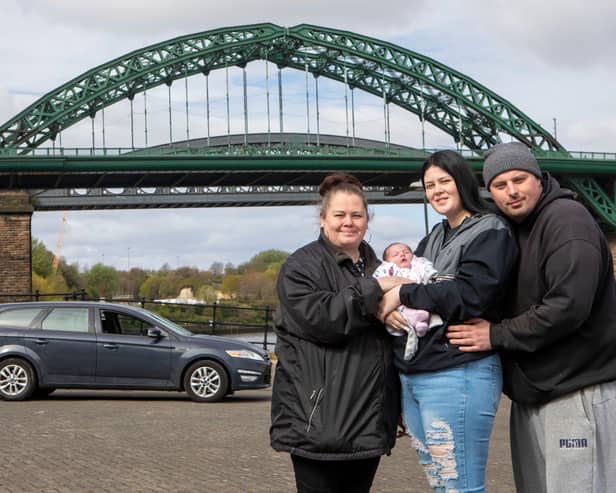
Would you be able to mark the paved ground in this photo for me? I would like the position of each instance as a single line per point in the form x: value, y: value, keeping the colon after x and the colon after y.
x: 86, y: 441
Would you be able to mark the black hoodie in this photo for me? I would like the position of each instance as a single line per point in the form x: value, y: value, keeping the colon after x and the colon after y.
x: 563, y: 334
x: 474, y: 264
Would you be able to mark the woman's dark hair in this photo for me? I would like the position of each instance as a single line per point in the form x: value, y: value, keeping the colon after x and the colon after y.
x: 340, y: 182
x: 453, y: 163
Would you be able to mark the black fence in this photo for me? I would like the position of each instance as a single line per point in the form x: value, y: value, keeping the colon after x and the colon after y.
x: 252, y: 324
x: 38, y: 296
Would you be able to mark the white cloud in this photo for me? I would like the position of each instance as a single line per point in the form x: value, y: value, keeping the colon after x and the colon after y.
x: 188, y: 16
x: 567, y: 33
x: 588, y: 133
x: 8, y: 107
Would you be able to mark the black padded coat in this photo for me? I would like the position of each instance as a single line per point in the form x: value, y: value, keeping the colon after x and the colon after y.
x: 336, y: 392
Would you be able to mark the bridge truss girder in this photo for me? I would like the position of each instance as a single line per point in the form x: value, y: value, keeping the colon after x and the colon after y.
x: 593, y: 194
x: 472, y: 114
x: 185, y: 197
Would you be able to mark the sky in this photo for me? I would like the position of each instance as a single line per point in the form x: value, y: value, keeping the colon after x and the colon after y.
x: 554, y: 60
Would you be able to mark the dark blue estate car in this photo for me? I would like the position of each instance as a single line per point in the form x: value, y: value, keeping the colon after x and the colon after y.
x: 50, y: 345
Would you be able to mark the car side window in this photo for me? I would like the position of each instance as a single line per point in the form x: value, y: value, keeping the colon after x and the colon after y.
x: 67, y: 319
x: 19, y: 318
x: 121, y: 323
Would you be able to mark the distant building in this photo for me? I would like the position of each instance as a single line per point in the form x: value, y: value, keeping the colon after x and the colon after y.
x: 186, y: 296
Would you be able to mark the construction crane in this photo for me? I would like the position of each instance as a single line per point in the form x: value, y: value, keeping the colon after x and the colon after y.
x: 58, y: 250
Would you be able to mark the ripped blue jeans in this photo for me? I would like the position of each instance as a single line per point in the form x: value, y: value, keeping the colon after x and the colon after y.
x: 449, y: 416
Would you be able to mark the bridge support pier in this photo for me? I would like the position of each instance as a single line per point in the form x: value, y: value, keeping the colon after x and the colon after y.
x: 15, y: 245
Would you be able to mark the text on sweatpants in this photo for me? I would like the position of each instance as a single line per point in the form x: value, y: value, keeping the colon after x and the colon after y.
x: 573, y: 443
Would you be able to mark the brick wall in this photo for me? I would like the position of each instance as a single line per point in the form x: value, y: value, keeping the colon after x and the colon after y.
x: 15, y: 239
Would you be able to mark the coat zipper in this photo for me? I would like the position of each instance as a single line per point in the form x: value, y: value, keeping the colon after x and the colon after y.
x: 314, y: 407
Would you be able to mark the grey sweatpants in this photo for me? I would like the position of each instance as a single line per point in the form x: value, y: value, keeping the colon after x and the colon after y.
x: 567, y: 445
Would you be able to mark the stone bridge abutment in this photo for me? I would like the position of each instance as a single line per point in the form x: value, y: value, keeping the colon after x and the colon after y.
x: 15, y: 244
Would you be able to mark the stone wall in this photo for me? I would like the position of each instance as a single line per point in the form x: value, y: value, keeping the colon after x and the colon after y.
x: 15, y: 240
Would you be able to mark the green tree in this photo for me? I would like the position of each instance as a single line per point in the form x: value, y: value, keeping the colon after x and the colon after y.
x: 207, y: 293
x: 73, y: 278
x: 102, y: 281
x: 170, y: 282
x: 52, y: 284
x: 230, y: 268
x: 132, y: 280
x: 257, y: 287
x: 150, y: 288
x: 42, y: 259
x: 230, y: 285
x: 263, y: 260
x: 217, y: 268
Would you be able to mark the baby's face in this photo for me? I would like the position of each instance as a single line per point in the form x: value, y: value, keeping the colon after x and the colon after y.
x: 400, y: 255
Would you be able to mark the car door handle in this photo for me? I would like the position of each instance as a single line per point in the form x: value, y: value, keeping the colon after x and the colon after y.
x: 41, y: 342
x: 110, y: 346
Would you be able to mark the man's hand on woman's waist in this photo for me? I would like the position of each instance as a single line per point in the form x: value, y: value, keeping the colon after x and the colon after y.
x: 471, y: 336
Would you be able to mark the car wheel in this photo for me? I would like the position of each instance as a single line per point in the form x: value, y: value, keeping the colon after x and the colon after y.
x: 206, y: 381
x: 17, y: 380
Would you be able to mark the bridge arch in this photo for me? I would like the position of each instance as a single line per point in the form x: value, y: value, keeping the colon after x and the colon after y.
x: 469, y: 112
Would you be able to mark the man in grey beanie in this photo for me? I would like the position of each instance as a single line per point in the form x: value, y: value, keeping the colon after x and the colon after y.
x: 559, y: 347
x: 513, y: 159
x: 505, y: 157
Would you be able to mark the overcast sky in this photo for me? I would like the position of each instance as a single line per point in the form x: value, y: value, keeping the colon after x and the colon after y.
x: 553, y: 59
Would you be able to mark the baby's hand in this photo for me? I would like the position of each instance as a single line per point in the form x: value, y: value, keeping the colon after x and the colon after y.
x: 397, y: 322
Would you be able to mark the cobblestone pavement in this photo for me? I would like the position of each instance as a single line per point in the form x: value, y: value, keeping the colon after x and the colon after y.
x: 108, y: 441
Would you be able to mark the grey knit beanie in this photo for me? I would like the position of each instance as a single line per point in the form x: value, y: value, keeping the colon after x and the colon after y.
x: 505, y: 157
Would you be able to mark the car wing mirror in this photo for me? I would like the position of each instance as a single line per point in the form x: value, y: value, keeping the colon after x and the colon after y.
x: 155, y: 333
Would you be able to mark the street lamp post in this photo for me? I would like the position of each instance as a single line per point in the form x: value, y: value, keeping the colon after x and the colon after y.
x: 418, y: 185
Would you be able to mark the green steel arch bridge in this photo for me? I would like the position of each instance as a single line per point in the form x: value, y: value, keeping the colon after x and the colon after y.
x: 270, y: 168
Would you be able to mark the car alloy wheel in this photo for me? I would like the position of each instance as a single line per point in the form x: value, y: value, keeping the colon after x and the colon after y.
x: 16, y: 379
x: 206, y: 381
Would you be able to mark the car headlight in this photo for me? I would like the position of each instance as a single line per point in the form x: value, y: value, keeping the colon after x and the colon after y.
x: 244, y: 353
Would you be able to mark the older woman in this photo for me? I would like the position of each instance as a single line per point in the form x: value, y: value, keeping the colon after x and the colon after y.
x: 335, y: 401
x: 450, y: 397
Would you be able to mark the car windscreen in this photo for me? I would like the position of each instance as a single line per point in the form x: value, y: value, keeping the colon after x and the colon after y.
x: 169, y: 324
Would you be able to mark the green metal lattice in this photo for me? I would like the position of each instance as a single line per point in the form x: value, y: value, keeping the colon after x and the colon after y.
x: 472, y: 114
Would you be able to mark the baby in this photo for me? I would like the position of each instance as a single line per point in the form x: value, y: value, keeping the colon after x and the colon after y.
x: 400, y: 261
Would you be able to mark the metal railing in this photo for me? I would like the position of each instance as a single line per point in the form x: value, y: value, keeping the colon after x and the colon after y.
x: 38, y: 296
x: 248, y: 150
x: 280, y: 149
x: 201, y: 318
